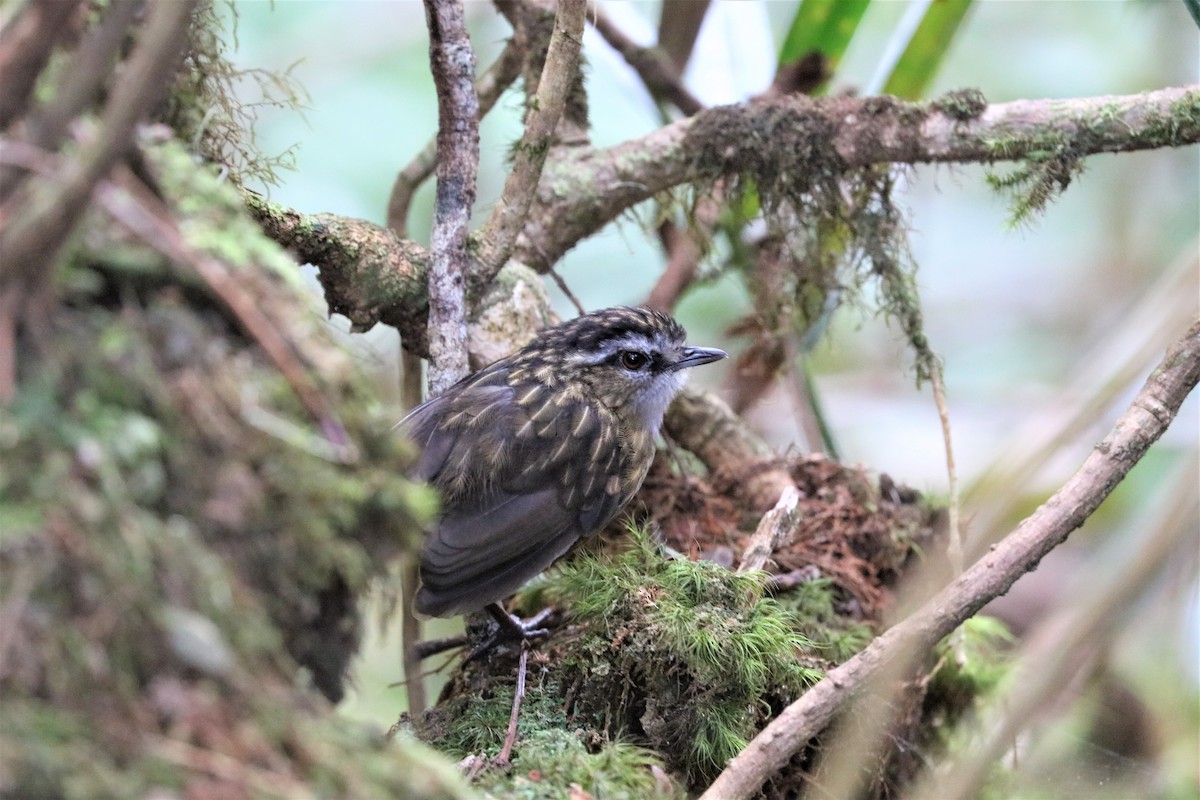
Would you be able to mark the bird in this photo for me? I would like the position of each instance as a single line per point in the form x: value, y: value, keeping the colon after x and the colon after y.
x: 540, y: 449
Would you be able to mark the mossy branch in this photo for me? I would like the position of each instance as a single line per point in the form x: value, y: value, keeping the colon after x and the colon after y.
x: 584, y: 188
x: 589, y: 187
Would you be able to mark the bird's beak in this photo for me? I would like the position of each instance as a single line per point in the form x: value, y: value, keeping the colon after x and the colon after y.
x: 695, y: 356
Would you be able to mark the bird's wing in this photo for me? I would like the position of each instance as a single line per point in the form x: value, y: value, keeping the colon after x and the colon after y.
x: 520, y: 483
x: 472, y: 560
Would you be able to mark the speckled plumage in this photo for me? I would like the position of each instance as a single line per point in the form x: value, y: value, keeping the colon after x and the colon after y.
x: 541, y: 448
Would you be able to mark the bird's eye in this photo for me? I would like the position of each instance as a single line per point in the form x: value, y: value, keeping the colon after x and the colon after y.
x: 633, y: 361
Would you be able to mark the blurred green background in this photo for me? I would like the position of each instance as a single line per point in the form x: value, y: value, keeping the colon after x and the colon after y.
x: 1031, y: 320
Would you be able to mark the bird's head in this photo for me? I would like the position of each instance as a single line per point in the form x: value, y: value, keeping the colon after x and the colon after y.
x: 632, y: 360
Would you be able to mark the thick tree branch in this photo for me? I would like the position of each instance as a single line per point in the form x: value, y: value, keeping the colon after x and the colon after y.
x: 499, y: 234
x: 452, y: 62
x: 1147, y: 417
x: 586, y: 189
x: 371, y: 275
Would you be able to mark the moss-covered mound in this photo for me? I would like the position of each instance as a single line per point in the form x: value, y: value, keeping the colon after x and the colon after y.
x: 196, y: 483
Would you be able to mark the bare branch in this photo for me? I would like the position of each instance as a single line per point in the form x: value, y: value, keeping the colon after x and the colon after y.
x: 653, y: 65
x: 25, y: 46
x: 678, y: 27
x: 1061, y: 644
x: 683, y: 259
x: 452, y: 62
x: 499, y: 234
x: 491, y: 84
x: 1142, y: 423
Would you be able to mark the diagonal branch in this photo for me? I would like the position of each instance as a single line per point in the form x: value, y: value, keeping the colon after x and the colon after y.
x: 1058, y: 648
x: 26, y: 43
x: 652, y: 64
x: 499, y: 235
x: 1131, y: 436
x: 452, y: 62
x: 41, y: 222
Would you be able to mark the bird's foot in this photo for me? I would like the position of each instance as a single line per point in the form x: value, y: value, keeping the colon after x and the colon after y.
x: 510, y: 629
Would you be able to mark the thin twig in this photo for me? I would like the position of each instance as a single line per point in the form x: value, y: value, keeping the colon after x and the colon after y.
x: 36, y: 223
x: 510, y: 737
x: 1108, y: 371
x: 678, y: 27
x: 452, y: 62
x: 431, y: 647
x: 651, y: 64
x: 83, y: 77
x: 10, y: 302
x: 410, y: 635
x: 410, y: 624
x: 499, y: 234
x: 1131, y: 436
x: 77, y: 86
x: 43, y: 222
x: 38, y: 227
x: 954, y: 545
x: 488, y: 88
x: 562, y: 285
x: 683, y: 260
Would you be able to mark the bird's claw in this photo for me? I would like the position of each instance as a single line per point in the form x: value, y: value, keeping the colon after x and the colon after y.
x: 511, y: 629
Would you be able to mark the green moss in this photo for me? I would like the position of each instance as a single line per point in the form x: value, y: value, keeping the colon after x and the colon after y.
x: 973, y: 660
x: 962, y: 105
x: 686, y: 657
x: 52, y: 753
x: 551, y: 753
x: 552, y: 761
x: 1045, y: 173
x: 186, y: 536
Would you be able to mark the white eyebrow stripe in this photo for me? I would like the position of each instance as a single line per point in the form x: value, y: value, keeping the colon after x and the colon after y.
x: 609, y: 347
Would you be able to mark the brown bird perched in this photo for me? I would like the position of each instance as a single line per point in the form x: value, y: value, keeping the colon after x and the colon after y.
x: 540, y: 449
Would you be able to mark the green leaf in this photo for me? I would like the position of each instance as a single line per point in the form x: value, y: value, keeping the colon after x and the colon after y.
x: 919, y: 62
x: 825, y: 26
